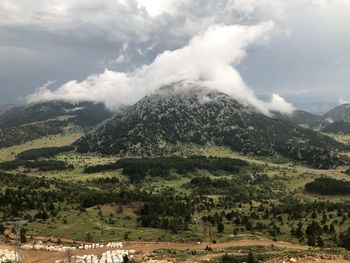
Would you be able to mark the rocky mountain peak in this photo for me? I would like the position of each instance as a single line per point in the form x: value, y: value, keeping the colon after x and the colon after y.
x: 202, y: 116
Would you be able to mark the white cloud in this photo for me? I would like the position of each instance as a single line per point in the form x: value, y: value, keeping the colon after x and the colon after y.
x: 279, y: 104
x: 114, y: 20
x: 155, y: 8
x: 343, y: 100
x: 245, y: 6
x: 150, y: 27
x: 137, y: 20
x: 47, y: 85
x: 207, y: 60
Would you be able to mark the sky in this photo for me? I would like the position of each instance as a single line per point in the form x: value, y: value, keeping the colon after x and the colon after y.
x: 272, y: 54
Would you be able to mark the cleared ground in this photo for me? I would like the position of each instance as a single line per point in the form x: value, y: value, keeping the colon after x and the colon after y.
x: 145, y: 248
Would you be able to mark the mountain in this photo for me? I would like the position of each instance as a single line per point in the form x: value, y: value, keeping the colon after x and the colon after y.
x: 339, y: 113
x: 83, y: 114
x: 28, y: 122
x: 201, y: 116
x: 337, y: 120
x: 303, y: 118
x: 5, y: 107
x: 314, y: 107
x: 337, y: 127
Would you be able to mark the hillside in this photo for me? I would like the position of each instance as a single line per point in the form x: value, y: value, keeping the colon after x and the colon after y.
x: 84, y: 113
x: 5, y: 107
x: 209, y: 197
x: 338, y: 127
x: 205, y: 117
x: 25, y: 123
x: 10, y: 136
x: 306, y: 119
x: 339, y: 113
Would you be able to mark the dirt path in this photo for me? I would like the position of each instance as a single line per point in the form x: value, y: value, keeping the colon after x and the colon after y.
x: 152, y: 246
x: 143, y: 248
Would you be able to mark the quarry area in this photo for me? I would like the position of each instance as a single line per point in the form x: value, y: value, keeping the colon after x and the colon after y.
x: 161, y: 252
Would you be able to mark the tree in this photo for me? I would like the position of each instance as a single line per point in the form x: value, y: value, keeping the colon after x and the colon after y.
x: 320, y: 242
x: 249, y: 225
x: 314, y: 229
x: 88, y: 237
x: 229, y: 259
x: 299, y: 232
x: 326, y: 229
x: 293, y: 231
x: 251, y: 258
x: 345, y: 239
x: 311, y: 241
x: 220, y: 227
x: 127, y: 235
x: 82, y: 208
x: 22, y: 235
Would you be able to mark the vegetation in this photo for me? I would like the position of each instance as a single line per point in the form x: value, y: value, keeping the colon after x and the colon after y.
x: 259, y: 191
x: 328, y: 186
x: 163, y: 121
x: 239, y: 203
x: 82, y: 113
x: 44, y: 165
x: 45, y: 152
x: 59, y: 140
x: 17, y: 135
x: 138, y: 169
x: 26, y: 123
x: 250, y: 258
x: 338, y: 127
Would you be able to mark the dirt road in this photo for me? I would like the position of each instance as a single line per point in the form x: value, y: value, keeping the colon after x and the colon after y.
x: 144, y: 248
x: 147, y: 247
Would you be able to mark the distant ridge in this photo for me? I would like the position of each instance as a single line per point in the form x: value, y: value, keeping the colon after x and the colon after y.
x: 28, y: 122
x: 201, y: 116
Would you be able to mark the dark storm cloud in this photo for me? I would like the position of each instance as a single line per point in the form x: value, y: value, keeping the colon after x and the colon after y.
x: 307, y: 52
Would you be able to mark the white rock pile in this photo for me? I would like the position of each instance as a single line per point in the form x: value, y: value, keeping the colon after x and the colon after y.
x: 61, y: 248
x: 7, y: 255
x: 91, y: 246
x: 50, y: 248
x: 115, y: 245
x: 97, y: 245
x: 115, y: 256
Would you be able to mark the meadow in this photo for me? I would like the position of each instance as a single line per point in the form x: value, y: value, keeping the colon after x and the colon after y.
x: 264, y: 200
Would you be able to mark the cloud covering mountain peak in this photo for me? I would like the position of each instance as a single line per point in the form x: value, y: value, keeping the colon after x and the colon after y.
x: 209, y: 60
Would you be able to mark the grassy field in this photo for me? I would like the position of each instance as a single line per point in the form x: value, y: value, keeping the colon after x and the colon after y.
x: 9, y: 153
x: 75, y: 225
x: 123, y: 225
x: 341, y: 138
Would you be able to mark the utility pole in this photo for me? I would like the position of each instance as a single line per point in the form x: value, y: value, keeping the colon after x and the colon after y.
x: 17, y: 242
x: 69, y: 256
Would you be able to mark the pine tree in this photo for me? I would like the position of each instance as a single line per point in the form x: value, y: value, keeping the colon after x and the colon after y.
x: 220, y: 227
x: 251, y: 258
x: 299, y: 232
x: 22, y: 235
x: 88, y: 237
x: 320, y: 241
x: 311, y: 241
